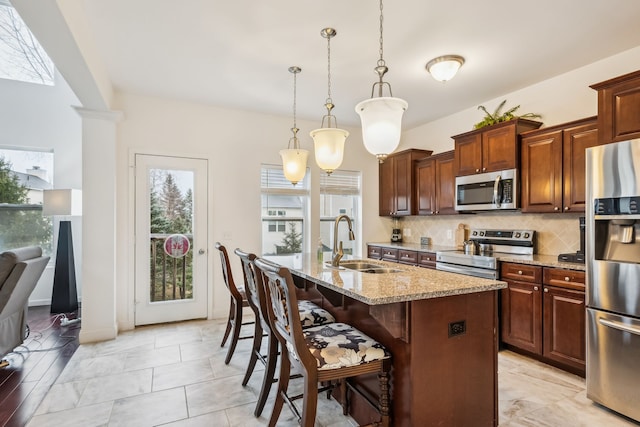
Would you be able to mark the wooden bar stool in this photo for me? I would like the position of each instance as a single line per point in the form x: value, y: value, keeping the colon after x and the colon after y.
x: 238, y: 300
x: 323, y: 354
x: 310, y: 315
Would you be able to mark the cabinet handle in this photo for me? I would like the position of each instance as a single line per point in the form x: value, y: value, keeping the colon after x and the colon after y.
x: 437, y: 212
x: 556, y: 208
x: 431, y: 212
x: 520, y: 272
x: 477, y: 170
x: 546, y: 289
x: 535, y: 288
x: 567, y: 279
x: 566, y: 208
x: 484, y: 169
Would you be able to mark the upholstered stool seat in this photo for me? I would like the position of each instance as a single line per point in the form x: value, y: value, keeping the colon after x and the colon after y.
x: 313, y: 315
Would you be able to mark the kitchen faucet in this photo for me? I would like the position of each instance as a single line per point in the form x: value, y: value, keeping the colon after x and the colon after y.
x: 337, y: 253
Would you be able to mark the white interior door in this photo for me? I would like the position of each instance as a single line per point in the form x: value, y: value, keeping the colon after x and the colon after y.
x: 171, y: 239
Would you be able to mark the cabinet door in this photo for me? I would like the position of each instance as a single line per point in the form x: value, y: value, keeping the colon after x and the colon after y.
x: 374, y: 252
x: 427, y: 259
x: 564, y: 326
x: 468, y: 154
x: 425, y: 187
x: 386, y: 188
x: 407, y: 257
x: 575, y: 141
x: 542, y: 172
x: 522, y: 316
x: 499, y: 149
x: 403, y: 178
x: 619, y: 108
x: 445, y: 185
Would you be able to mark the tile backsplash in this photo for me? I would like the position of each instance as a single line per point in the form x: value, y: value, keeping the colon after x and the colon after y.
x: 556, y: 233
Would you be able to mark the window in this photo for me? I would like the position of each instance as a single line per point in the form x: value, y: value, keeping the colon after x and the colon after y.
x: 23, y: 177
x: 286, y: 238
x: 340, y: 195
x: 21, y: 56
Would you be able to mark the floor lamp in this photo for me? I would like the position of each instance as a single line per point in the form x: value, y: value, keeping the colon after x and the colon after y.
x: 64, y: 298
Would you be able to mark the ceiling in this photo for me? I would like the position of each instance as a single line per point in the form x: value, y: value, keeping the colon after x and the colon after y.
x: 237, y: 53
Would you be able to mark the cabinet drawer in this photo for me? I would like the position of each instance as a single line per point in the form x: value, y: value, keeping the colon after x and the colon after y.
x: 390, y: 254
x: 374, y: 252
x: 407, y: 257
x: 427, y: 259
x: 570, y: 279
x: 522, y: 272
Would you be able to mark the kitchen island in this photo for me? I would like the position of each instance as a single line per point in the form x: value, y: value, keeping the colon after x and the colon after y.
x: 440, y: 327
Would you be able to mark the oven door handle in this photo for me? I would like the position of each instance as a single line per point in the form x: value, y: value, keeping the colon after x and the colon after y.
x: 619, y: 326
x: 469, y: 271
x: 496, y: 187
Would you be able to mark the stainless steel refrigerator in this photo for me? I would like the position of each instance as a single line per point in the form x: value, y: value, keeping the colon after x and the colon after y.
x: 613, y: 276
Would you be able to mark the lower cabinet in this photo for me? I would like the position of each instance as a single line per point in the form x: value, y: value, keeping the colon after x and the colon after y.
x: 543, y: 313
x: 403, y: 256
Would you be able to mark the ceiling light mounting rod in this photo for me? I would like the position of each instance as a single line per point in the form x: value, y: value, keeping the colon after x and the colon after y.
x: 381, y: 69
x: 329, y: 33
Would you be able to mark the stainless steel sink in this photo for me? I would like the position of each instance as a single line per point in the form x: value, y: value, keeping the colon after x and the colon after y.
x: 368, y: 267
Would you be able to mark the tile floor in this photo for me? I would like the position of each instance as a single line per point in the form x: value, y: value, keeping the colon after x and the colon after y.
x: 174, y: 375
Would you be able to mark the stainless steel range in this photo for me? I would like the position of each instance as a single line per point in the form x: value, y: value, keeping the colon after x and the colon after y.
x: 480, y: 256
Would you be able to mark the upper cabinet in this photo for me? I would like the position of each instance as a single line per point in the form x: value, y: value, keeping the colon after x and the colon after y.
x: 435, y: 184
x: 619, y: 108
x: 397, y: 183
x: 492, y: 148
x: 553, y: 166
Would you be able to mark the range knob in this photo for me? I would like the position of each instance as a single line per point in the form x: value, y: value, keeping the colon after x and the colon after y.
x: 517, y: 235
x: 474, y: 233
x: 526, y: 235
x: 482, y: 233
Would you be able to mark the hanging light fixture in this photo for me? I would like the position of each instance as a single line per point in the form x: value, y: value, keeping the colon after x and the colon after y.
x: 444, y: 68
x: 329, y: 141
x: 294, y: 160
x: 382, y: 116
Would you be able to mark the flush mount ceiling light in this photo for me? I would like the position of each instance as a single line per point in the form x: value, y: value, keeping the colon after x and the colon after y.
x: 294, y: 160
x: 444, y: 68
x: 381, y: 117
x: 329, y: 141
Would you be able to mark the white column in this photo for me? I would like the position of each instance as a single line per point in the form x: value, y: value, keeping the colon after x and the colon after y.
x: 98, y: 224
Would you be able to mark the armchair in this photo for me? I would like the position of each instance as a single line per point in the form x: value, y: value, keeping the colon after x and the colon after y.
x: 20, y: 270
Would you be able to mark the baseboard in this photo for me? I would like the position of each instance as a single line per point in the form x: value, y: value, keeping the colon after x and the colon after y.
x: 105, y: 334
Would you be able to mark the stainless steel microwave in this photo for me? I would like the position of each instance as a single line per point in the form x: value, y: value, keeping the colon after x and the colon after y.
x: 487, y: 191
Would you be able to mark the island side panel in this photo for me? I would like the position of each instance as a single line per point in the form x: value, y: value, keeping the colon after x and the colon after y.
x: 454, y: 369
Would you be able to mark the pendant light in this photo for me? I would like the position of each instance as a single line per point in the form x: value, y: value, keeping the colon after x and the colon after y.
x: 381, y: 117
x: 294, y: 160
x: 329, y: 141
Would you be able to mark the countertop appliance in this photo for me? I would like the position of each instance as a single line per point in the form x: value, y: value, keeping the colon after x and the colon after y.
x: 488, y: 244
x: 613, y: 276
x: 487, y: 191
x: 396, y: 235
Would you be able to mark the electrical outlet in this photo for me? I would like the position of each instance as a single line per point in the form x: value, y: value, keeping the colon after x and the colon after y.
x: 407, y: 232
x: 449, y: 234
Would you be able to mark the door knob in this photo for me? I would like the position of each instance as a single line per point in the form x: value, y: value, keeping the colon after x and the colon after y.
x: 201, y: 251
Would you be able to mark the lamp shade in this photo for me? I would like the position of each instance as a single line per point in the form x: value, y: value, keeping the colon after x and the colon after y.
x: 329, y: 147
x: 381, y: 124
x: 294, y: 164
x: 444, y: 68
x: 62, y: 202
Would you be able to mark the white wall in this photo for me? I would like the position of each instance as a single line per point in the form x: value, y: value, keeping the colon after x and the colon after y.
x: 38, y: 116
x: 235, y: 143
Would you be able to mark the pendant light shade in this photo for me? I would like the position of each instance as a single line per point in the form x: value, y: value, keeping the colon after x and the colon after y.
x: 329, y: 141
x: 381, y: 124
x: 294, y: 160
x: 381, y: 117
x: 329, y: 147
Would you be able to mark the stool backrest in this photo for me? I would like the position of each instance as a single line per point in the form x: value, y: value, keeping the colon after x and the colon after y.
x: 226, y: 272
x: 255, y: 294
x: 282, y: 309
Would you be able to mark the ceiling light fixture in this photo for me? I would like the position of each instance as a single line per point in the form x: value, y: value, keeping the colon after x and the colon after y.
x: 329, y: 141
x: 444, y: 68
x: 294, y: 160
x: 381, y: 117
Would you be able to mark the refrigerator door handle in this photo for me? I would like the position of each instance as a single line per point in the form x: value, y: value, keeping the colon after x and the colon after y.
x: 619, y: 326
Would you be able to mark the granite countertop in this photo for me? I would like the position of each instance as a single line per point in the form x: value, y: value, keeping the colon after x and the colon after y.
x: 408, y: 283
x: 536, y: 259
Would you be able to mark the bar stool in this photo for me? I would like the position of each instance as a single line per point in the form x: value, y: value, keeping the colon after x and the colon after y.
x: 238, y: 300
x: 323, y: 354
x: 310, y: 315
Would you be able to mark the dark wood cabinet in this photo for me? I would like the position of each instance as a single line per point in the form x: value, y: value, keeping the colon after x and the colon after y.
x: 435, y: 184
x: 396, y: 183
x: 374, y: 252
x: 427, y: 260
x: 492, y: 148
x: 543, y: 313
x: 402, y: 256
x: 619, y: 108
x: 407, y: 257
x: 553, y: 166
x: 390, y: 254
